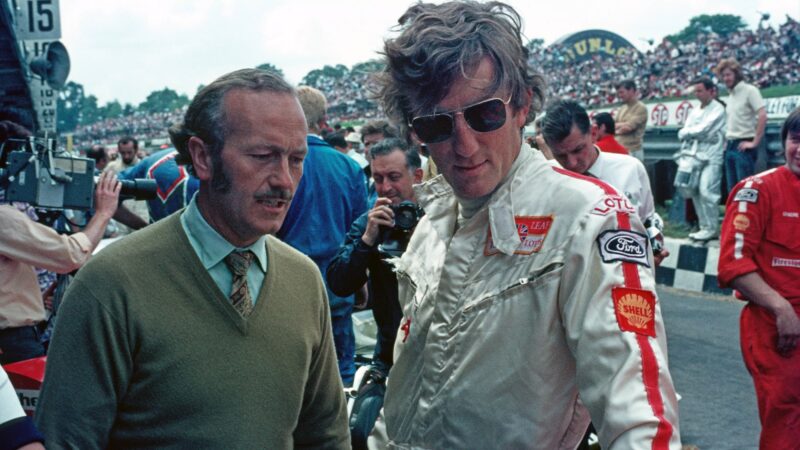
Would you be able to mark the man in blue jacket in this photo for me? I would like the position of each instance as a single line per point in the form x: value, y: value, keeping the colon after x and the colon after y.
x: 175, y: 186
x: 330, y: 196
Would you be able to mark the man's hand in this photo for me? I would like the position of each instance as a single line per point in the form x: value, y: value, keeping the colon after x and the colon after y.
x: 755, y: 289
x: 788, y: 325
x: 623, y: 128
x: 660, y: 256
x: 746, y: 145
x: 106, y: 194
x: 106, y: 197
x: 379, y: 215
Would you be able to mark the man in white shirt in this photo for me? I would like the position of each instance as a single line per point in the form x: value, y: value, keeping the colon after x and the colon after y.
x: 746, y: 122
x: 571, y: 136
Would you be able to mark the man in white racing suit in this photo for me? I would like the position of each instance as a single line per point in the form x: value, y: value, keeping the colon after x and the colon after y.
x: 699, y: 174
x: 525, y: 289
x: 571, y: 137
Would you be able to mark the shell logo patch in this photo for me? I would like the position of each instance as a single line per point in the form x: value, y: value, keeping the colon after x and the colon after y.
x: 635, y: 310
x: 531, y: 231
x: 741, y: 222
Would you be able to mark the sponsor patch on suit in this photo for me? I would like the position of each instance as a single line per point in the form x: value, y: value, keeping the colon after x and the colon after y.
x: 531, y: 230
x: 746, y: 195
x: 623, y: 245
x: 635, y: 310
x: 612, y: 204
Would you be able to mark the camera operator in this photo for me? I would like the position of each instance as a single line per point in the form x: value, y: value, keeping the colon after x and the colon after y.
x: 25, y: 244
x: 362, y: 258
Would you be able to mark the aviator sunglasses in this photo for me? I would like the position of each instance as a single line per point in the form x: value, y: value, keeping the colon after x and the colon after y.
x: 484, y: 116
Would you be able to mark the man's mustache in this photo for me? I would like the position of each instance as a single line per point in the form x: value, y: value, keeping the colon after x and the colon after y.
x: 275, y: 194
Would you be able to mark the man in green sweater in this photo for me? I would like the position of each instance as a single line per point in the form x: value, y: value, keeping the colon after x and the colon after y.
x: 201, y: 331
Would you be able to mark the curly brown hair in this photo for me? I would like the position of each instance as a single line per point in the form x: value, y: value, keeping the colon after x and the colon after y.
x: 730, y: 64
x: 438, y: 43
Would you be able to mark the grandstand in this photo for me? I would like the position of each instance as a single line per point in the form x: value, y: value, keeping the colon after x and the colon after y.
x: 770, y: 57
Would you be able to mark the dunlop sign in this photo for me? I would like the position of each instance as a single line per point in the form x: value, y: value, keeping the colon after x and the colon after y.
x: 584, y: 45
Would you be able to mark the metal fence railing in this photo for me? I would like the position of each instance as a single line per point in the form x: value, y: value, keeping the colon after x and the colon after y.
x: 660, y: 144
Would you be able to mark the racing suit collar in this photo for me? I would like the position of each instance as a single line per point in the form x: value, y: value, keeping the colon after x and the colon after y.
x: 501, y: 207
x: 441, y: 205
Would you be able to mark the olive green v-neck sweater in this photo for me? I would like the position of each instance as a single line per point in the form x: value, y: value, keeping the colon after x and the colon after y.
x: 149, y: 353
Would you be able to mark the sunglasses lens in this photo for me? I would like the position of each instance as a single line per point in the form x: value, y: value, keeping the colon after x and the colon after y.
x: 486, y: 116
x: 433, y: 129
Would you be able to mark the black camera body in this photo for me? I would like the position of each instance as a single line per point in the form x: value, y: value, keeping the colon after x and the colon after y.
x: 37, y: 174
x: 394, y: 240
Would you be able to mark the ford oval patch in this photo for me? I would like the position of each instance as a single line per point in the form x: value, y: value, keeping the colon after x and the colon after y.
x: 623, y: 245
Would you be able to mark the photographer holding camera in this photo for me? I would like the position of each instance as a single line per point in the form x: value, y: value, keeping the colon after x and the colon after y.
x: 377, y: 235
x: 25, y: 244
x: 362, y: 258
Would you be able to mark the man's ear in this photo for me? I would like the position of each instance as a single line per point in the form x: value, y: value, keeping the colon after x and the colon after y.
x: 418, y: 173
x: 595, y: 130
x: 522, y: 113
x: 201, y: 158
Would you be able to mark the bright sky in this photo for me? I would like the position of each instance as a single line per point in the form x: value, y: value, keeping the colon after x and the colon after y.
x: 125, y: 49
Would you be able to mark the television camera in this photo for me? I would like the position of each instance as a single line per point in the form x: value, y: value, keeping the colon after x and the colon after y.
x: 37, y: 173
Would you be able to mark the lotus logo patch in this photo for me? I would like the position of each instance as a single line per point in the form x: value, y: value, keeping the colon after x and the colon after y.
x: 635, y: 310
x: 613, y: 203
x: 623, y: 245
x: 746, y: 195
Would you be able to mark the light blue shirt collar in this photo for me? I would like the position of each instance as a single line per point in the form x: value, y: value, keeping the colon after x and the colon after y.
x: 210, y: 246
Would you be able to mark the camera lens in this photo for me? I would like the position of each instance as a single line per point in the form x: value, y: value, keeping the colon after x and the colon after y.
x: 405, y: 219
x: 138, y: 188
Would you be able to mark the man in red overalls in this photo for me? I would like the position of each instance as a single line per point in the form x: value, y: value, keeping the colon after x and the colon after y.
x: 760, y: 258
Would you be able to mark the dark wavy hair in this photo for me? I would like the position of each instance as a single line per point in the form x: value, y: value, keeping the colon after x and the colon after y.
x: 560, y: 118
x: 791, y: 125
x: 606, y: 120
x: 205, y: 117
x: 439, y: 43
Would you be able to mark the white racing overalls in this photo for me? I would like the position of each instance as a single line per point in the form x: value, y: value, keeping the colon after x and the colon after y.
x: 703, y: 141
x: 543, y: 297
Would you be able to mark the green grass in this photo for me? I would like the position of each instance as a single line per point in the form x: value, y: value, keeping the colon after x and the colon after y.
x: 671, y: 229
x: 781, y: 91
x: 678, y: 230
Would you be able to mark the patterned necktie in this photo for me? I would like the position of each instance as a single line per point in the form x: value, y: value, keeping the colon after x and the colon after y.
x: 238, y: 263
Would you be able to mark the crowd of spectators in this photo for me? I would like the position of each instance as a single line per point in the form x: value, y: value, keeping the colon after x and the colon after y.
x: 770, y: 57
x: 145, y: 126
x: 348, y: 96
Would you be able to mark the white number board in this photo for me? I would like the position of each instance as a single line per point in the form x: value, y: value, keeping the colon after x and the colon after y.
x: 38, y: 19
